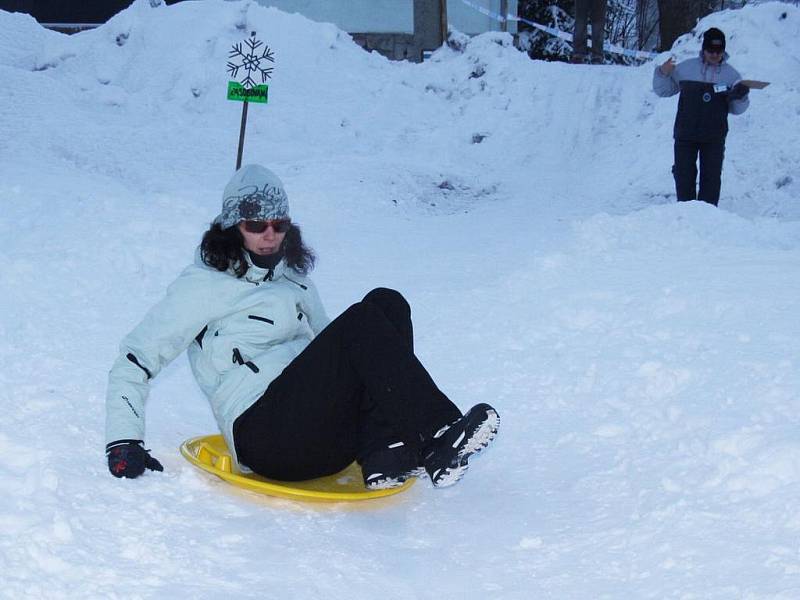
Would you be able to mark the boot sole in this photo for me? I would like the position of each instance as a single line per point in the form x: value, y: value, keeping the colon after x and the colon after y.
x: 480, y: 439
x: 388, y: 483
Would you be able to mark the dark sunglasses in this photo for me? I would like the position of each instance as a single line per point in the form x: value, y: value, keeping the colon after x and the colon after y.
x: 278, y: 225
x: 715, y: 50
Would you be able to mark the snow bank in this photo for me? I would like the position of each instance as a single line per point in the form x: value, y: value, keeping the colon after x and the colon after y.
x: 149, y: 66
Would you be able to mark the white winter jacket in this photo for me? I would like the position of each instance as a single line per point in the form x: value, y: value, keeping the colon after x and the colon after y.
x: 240, y: 335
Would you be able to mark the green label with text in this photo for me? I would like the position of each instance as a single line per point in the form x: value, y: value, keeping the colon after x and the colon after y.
x: 258, y: 93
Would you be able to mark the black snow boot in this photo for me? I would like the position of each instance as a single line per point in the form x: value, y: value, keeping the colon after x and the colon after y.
x: 445, y: 457
x: 390, y: 467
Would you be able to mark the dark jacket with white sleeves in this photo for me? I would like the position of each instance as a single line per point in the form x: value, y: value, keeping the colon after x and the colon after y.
x: 704, y: 104
x: 240, y: 334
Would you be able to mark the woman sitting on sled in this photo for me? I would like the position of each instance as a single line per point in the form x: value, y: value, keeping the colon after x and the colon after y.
x: 295, y: 396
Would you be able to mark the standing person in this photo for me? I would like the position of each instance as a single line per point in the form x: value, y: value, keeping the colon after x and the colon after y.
x: 583, y: 10
x: 709, y: 89
x: 295, y: 397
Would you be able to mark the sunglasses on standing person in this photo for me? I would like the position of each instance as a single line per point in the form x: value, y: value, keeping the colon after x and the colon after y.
x: 278, y: 225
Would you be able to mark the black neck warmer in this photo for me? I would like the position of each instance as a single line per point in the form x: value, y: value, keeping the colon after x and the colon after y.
x: 268, y: 261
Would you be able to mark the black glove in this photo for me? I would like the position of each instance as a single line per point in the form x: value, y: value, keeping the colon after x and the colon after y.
x: 738, y: 92
x: 128, y: 458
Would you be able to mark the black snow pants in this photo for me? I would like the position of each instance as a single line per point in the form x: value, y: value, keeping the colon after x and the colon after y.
x: 685, y: 170
x: 356, y: 387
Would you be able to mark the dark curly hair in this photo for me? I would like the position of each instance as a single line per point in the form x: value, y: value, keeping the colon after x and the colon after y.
x: 224, y: 248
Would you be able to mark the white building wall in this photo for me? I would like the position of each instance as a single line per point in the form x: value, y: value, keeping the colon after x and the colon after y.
x: 393, y: 16
x: 354, y: 16
x: 466, y: 19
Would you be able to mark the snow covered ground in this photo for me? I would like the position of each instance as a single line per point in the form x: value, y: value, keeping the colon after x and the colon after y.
x: 643, y: 354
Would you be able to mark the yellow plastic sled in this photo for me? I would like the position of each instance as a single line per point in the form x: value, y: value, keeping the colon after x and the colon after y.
x: 210, y: 453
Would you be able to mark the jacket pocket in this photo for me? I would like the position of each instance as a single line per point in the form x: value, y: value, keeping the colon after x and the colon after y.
x: 262, y: 319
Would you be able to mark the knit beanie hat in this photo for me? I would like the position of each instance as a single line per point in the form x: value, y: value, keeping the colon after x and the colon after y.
x: 714, y: 39
x: 254, y: 193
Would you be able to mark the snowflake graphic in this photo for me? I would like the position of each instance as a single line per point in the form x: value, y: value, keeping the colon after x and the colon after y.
x: 250, y: 61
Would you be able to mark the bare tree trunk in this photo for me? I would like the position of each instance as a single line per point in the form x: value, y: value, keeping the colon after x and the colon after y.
x: 646, y: 23
x: 676, y: 17
x: 706, y: 7
x: 680, y: 16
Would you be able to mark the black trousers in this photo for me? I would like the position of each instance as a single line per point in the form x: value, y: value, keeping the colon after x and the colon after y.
x: 685, y: 170
x: 356, y: 387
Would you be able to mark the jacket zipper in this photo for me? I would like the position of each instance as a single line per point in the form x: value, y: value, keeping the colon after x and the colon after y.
x: 305, y: 287
x: 237, y: 358
x: 264, y: 319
